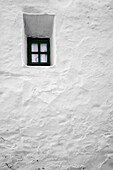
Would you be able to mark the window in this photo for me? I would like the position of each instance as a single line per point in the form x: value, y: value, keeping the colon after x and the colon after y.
x: 38, y: 29
x: 38, y: 50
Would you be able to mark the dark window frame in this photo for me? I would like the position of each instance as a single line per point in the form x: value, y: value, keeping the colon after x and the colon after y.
x: 38, y: 41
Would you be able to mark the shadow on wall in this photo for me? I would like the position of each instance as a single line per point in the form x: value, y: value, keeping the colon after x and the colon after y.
x: 73, y: 168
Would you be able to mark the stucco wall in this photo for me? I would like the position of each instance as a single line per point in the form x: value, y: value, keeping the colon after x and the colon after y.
x: 59, y: 117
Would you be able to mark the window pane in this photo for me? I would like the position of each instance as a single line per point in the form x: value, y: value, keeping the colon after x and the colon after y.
x: 43, y: 47
x: 34, y: 47
x: 34, y: 58
x: 43, y: 58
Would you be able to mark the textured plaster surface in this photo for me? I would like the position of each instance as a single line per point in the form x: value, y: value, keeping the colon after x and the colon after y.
x: 60, y: 117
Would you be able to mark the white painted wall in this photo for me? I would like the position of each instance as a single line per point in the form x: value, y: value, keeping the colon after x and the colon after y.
x: 60, y: 117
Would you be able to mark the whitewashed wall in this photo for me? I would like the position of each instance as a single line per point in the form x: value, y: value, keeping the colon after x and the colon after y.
x: 59, y: 117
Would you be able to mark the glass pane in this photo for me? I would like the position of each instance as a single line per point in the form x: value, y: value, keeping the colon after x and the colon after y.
x: 43, y: 47
x: 34, y: 47
x: 34, y: 58
x: 43, y: 58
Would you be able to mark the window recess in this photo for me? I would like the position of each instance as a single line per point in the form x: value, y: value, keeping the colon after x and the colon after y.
x: 39, y: 40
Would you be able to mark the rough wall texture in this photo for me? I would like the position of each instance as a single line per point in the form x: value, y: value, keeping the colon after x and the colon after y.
x: 61, y: 117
